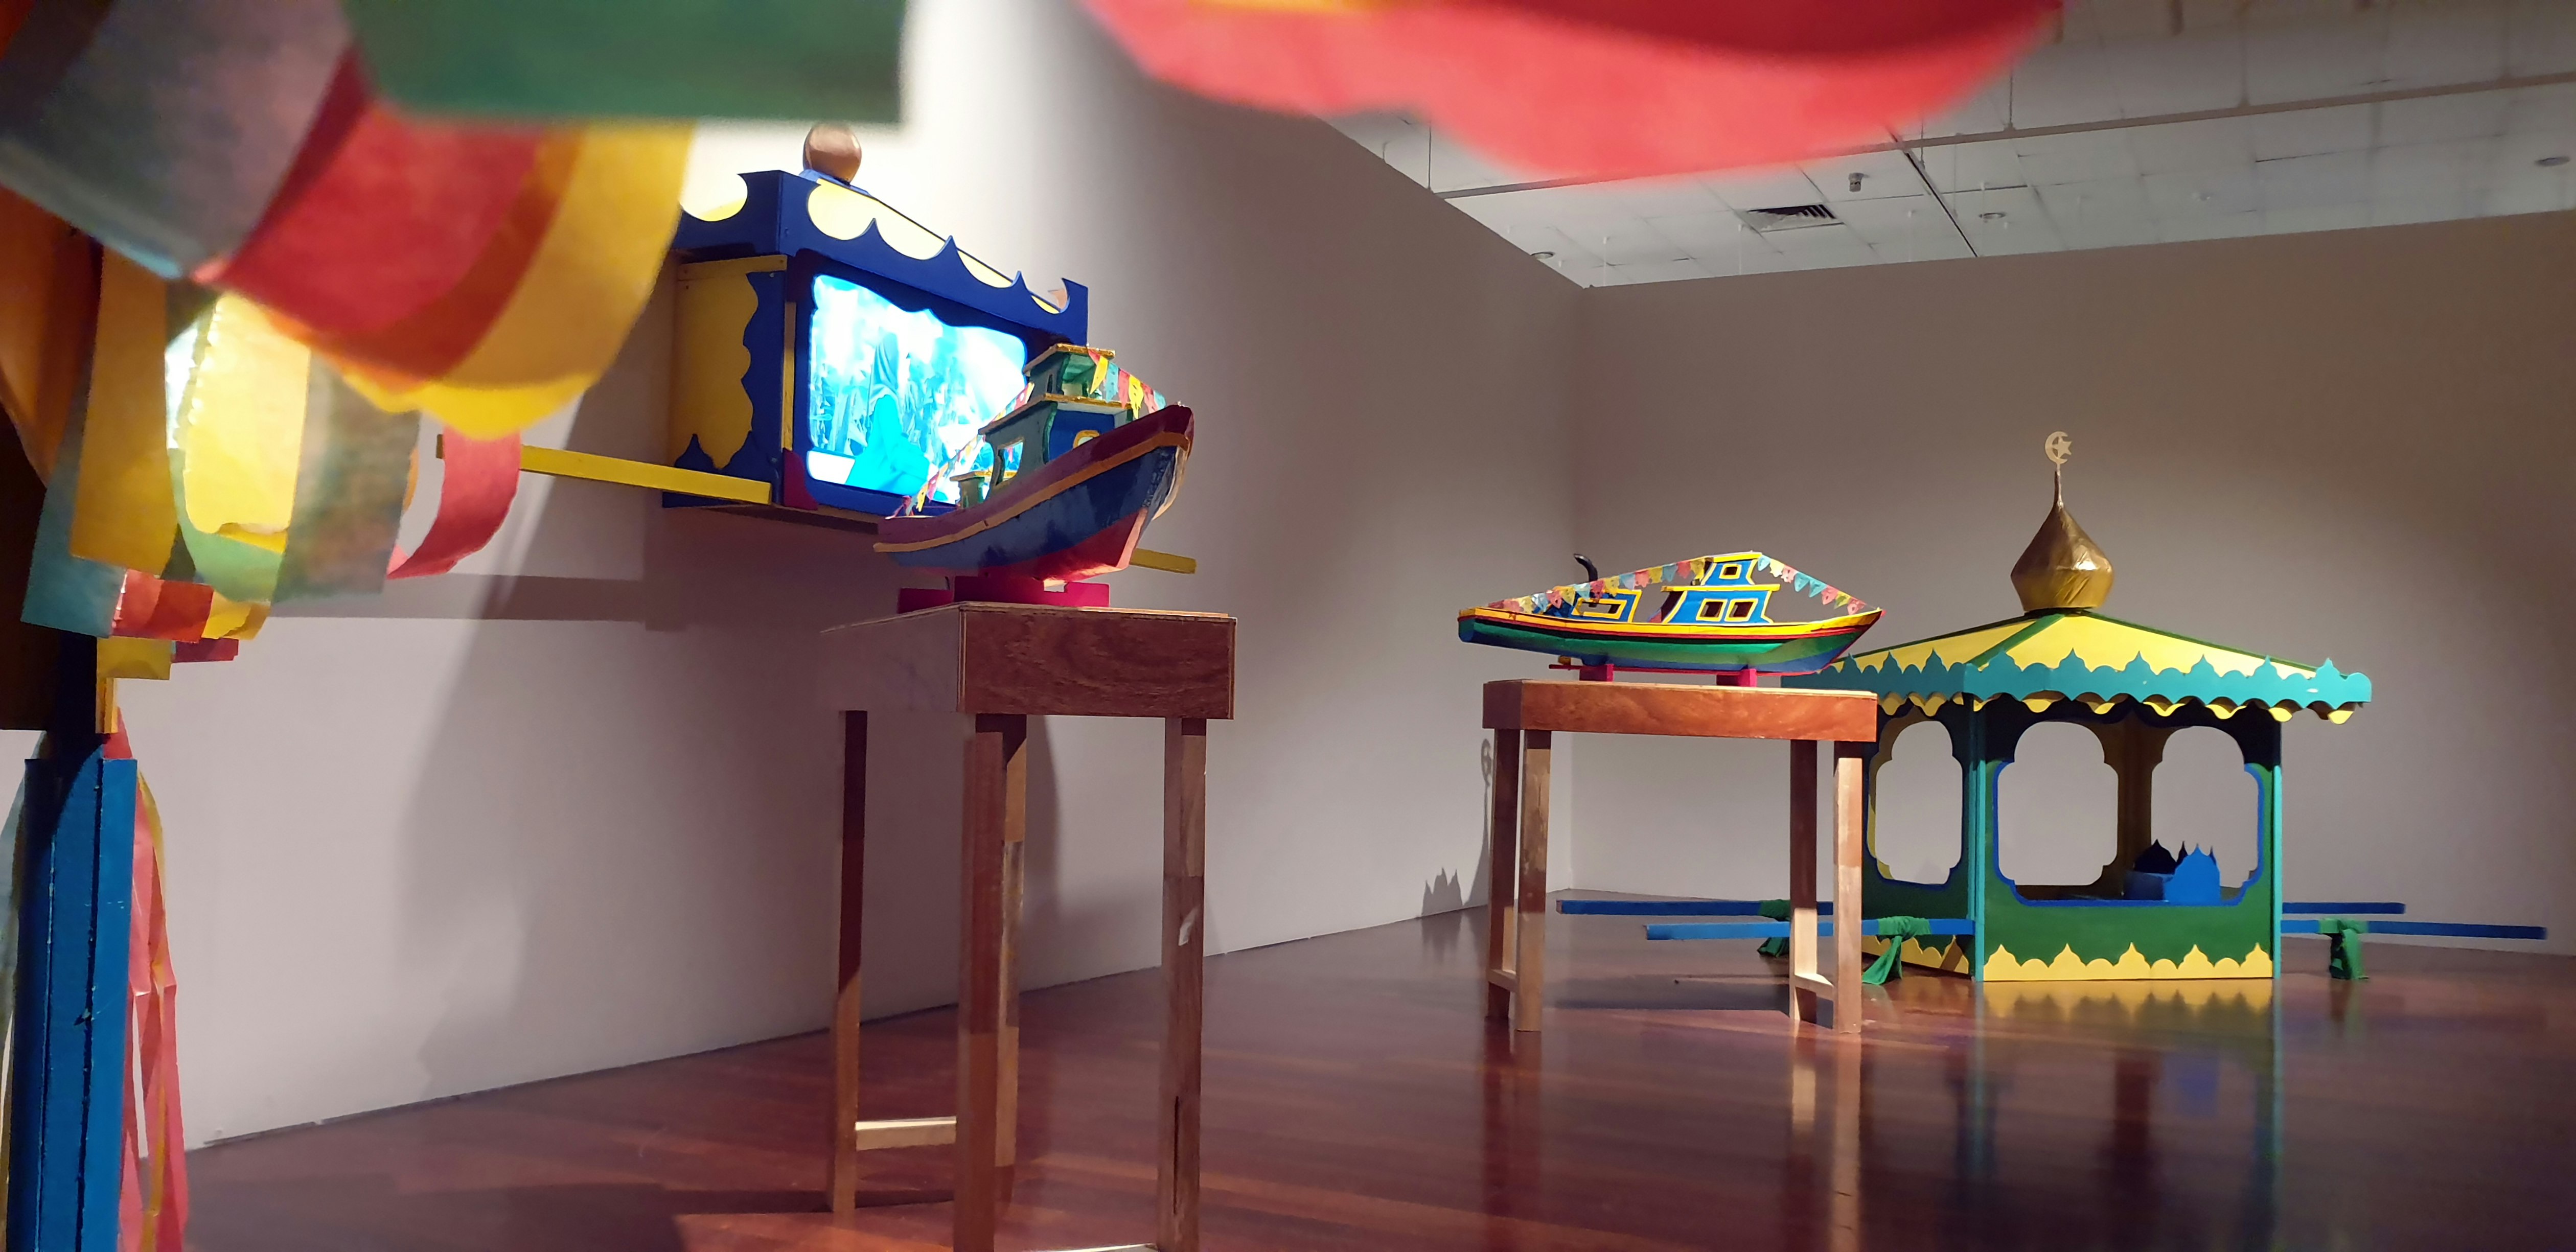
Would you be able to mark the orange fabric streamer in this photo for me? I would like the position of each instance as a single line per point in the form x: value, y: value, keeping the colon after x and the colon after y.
x: 1610, y: 88
x: 49, y: 276
x: 481, y: 479
x: 155, y: 1200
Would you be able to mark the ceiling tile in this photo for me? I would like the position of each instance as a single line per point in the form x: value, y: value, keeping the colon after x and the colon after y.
x: 1836, y: 237
x: 2075, y: 158
x: 1650, y: 272
x: 2519, y: 156
x: 2432, y: 206
x: 1762, y: 189
x: 2308, y: 132
x: 2540, y: 37
x: 1831, y: 258
x: 1627, y: 242
x: 2315, y: 217
x: 1896, y: 219
x: 2308, y: 181
x: 1665, y: 197
x: 2004, y: 220
x: 2212, y: 144
x: 1987, y: 111
x: 2313, y: 60
x: 2436, y: 118
x: 1972, y: 166
x: 1453, y: 167
x: 1704, y: 234
x: 2435, y: 45
x: 2062, y: 84
x: 1730, y: 262
x: 2415, y: 171
x: 2069, y: 203
x: 1945, y: 245
x: 2211, y: 226
x: 2543, y: 191
x: 1882, y: 174
x: 2183, y: 74
x: 1393, y: 137
x: 2201, y: 193
x: 2541, y: 108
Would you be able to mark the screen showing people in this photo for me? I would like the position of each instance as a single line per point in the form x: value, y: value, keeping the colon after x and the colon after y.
x: 898, y: 394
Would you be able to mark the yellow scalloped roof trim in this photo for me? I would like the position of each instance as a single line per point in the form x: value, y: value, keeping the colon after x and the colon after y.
x: 2107, y: 644
x: 2003, y: 966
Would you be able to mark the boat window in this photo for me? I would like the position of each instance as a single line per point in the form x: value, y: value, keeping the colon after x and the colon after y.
x: 1712, y: 609
x: 1739, y: 611
x: 1589, y: 607
x: 1916, y: 836
x: 2058, y: 808
x: 2205, y: 799
x: 1729, y: 573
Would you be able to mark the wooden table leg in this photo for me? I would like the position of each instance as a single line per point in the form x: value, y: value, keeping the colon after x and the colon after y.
x: 1848, y: 815
x: 1803, y: 978
x: 844, y: 1182
x: 1176, y: 1174
x: 1502, y: 876
x: 1529, y: 966
x: 995, y: 817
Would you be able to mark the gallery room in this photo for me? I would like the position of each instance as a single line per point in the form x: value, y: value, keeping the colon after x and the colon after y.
x: 1031, y: 625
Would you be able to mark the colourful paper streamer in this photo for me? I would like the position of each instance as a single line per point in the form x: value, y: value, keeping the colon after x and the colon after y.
x: 172, y: 128
x: 382, y: 216
x: 638, y: 58
x: 1563, y: 87
x: 480, y: 479
x: 582, y: 291
x: 64, y: 591
x: 236, y: 438
x: 125, y: 516
x: 48, y: 306
x: 348, y: 494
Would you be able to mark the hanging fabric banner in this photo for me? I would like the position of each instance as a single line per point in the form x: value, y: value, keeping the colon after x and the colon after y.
x: 479, y: 480
x: 585, y: 285
x: 171, y: 128
x: 644, y: 58
x: 348, y: 495
x: 124, y: 515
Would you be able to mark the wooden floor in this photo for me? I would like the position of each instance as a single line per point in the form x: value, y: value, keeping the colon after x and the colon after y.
x: 1356, y: 1100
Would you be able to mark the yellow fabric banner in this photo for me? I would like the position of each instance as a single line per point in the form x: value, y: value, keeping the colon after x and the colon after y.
x: 589, y: 280
x: 124, y: 515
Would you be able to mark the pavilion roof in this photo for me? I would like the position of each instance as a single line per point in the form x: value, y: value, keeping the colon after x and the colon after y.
x: 2096, y: 661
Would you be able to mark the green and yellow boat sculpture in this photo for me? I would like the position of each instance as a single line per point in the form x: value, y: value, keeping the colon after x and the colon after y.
x: 1706, y: 615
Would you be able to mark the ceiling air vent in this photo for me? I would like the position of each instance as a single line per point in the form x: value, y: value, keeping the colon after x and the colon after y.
x: 1789, y: 217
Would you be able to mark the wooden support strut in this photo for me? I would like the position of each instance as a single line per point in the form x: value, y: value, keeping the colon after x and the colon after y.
x: 1176, y: 1171
x: 1529, y: 962
x: 1502, y: 877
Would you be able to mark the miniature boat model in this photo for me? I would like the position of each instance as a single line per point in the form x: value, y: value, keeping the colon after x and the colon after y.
x: 1084, y: 459
x: 1710, y: 617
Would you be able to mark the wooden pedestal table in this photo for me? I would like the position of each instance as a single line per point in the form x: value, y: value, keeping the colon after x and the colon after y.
x: 1003, y: 663
x: 1525, y: 715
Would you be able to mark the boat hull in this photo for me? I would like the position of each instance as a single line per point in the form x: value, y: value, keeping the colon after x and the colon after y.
x: 1077, y: 516
x: 1780, y: 648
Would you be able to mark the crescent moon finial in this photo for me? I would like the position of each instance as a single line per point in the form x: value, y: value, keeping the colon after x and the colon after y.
x: 2058, y: 447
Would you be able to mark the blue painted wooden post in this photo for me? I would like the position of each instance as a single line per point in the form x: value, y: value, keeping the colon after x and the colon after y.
x: 68, y: 1080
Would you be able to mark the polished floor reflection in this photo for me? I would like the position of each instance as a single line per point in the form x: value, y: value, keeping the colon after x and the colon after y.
x: 1356, y: 1100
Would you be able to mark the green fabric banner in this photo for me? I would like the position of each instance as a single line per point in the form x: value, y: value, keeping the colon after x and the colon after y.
x: 1891, y: 963
x: 836, y: 60
x: 1778, y: 911
x: 2343, y: 955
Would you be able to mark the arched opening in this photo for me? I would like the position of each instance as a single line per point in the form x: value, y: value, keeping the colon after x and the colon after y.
x: 2204, y: 799
x: 1916, y: 838
x: 2058, y: 802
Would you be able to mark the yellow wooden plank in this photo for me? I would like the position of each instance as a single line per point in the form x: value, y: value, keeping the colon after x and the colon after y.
x: 1165, y: 561
x: 609, y: 469
x: 916, y: 1132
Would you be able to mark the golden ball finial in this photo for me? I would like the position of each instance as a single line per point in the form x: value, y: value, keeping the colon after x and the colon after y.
x: 2062, y: 568
x: 833, y: 148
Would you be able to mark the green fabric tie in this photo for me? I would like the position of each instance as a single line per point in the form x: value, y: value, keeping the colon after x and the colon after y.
x: 2343, y: 958
x: 1891, y: 963
x: 1778, y: 911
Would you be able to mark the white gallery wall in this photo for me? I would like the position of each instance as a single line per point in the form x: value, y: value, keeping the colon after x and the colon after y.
x: 2353, y: 445
x: 575, y: 806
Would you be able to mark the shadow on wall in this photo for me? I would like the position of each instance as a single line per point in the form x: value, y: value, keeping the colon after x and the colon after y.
x: 631, y: 800
x: 1447, y: 898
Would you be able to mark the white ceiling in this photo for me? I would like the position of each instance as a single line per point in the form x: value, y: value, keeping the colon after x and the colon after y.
x: 2142, y: 121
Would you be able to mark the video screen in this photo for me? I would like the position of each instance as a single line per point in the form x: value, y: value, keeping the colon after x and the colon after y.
x: 896, y: 395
